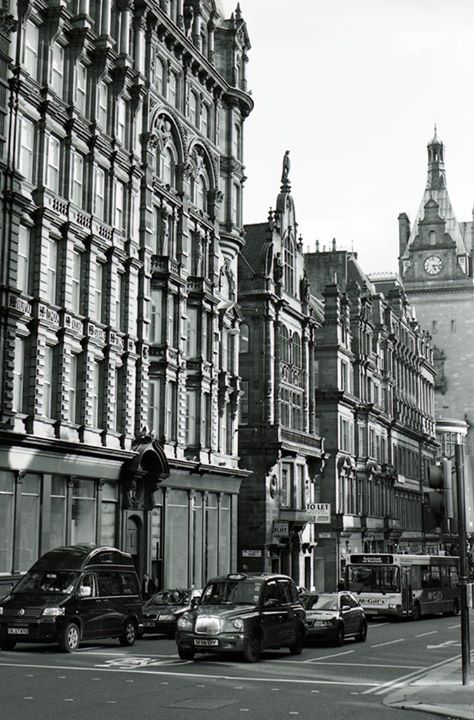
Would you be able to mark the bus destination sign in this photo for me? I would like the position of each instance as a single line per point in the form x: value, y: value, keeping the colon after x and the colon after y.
x: 373, y: 559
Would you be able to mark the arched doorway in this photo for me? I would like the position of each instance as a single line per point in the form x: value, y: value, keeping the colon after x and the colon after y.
x: 133, y: 539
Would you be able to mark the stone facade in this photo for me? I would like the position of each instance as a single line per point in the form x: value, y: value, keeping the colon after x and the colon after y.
x: 122, y: 149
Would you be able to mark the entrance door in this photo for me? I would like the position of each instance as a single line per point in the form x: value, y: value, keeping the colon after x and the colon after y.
x: 133, y: 540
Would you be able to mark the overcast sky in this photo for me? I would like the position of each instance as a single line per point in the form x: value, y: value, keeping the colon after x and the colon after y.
x: 353, y: 89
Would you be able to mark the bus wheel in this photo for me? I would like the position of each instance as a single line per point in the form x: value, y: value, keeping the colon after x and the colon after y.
x: 455, y: 607
x: 416, y: 612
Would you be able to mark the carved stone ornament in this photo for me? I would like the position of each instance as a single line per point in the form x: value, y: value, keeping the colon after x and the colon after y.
x: 273, y: 486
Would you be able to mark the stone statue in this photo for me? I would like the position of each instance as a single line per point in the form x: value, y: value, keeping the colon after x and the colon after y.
x: 286, y: 168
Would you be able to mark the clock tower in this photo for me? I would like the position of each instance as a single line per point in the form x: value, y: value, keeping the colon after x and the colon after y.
x: 436, y: 266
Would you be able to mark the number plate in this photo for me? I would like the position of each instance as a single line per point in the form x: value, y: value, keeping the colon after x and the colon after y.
x: 18, y: 631
x: 166, y: 618
x: 149, y: 623
x: 206, y: 643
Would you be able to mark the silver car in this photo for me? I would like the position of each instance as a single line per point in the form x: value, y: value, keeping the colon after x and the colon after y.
x: 334, y: 617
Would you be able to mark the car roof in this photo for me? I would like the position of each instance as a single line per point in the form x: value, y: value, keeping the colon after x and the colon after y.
x: 249, y: 576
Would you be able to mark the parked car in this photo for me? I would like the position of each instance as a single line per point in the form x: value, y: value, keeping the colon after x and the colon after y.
x: 74, y: 593
x: 243, y: 614
x: 162, y: 610
x: 334, y: 617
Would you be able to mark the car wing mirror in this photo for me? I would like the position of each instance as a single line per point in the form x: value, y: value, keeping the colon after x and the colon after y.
x: 85, y: 591
x: 194, y: 602
x: 345, y: 607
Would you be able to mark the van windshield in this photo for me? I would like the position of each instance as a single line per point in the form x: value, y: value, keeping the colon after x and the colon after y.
x: 47, y: 583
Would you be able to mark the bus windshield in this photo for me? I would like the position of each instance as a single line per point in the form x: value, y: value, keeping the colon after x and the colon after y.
x: 383, y: 578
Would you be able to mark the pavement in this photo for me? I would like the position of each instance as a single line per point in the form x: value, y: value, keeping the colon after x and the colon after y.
x: 438, y: 692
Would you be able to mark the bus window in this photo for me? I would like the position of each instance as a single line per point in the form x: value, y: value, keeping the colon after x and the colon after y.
x: 435, y: 577
x: 425, y: 576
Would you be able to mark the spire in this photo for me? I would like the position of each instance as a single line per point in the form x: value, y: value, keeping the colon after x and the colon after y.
x: 436, y: 173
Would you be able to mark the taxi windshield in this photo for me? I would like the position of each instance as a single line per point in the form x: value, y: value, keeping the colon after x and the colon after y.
x: 238, y: 592
x: 47, y: 583
x: 171, y: 597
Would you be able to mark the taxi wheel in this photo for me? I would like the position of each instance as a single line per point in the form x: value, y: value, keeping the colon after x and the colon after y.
x: 339, y: 637
x: 128, y: 637
x: 69, y: 638
x: 7, y: 644
x: 297, y: 647
x: 185, y: 653
x: 253, y: 649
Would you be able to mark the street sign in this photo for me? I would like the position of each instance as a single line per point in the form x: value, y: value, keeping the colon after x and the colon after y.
x: 280, y: 528
x: 252, y: 553
x: 318, y: 512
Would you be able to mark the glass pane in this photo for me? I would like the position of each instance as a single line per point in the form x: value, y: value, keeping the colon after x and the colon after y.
x: 29, y: 531
x: 83, y: 488
x: 6, y: 527
x: 107, y: 532
x: 7, y: 482
x: 57, y: 535
x: 31, y: 484
x: 177, y: 539
x: 211, y: 538
x: 109, y: 490
x: 83, y: 521
x: 58, y: 485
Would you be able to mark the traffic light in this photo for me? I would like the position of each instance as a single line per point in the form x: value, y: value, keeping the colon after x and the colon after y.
x: 440, y: 500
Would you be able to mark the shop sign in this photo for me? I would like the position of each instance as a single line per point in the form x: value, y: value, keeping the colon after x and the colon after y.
x: 280, y: 529
x: 252, y: 553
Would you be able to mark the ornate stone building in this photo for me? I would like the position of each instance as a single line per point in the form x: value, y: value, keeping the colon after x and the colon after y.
x: 436, y: 265
x: 374, y: 399
x: 278, y: 436
x: 122, y: 144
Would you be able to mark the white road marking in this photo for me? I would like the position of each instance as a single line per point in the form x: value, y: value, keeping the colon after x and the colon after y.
x: 405, y: 679
x: 30, y: 697
x: 325, y: 657
x: 369, y: 665
x: 446, y: 643
x: 433, y: 632
x: 389, y: 642
x: 452, y: 627
x: 193, y: 676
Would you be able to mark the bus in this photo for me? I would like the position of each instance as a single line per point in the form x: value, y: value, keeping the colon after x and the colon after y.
x: 404, y: 586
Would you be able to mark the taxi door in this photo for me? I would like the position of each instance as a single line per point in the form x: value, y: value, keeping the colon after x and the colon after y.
x: 272, y: 615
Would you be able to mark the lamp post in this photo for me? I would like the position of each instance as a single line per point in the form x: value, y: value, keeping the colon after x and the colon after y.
x: 463, y: 563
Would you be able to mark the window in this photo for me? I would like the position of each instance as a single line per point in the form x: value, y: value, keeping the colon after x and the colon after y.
x: 237, y: 143
x: 81, y: 88
x: 289, y: 265
x: 201, y: 193
x: 73, y: 378
x: 83, y: 511
x: 206, y: 120
x: 121, y: 110
x: 57, y: 526
x: 48, y: 377
x: 345, y: 377
x: 192, y: 422
x: 159, y: 76
x: 76, y: 281
x: 18, y: 374
x: 29, y: 520
x: 244, y: 339
x: 51, y: 270
x: 172, y: 88
x: 25, y: 148
x: 156, y: 320
x: 99, y: 196
x: 102, y: 104
x: 285, y: 497
x: 30, y: 56
x: 173, y: 321
x: 120, y: 393
x: 120, y: 295
x: 99, y: 291
x: 244, y: 402
x: 172, y: 411
x: 7, y: 515
x: 57, y: 68
x: 167, y: 167
x: 236, y: 204
x: 108, y: 512
x: 119, y: 204
x: 53, y: 167
x: 77, y: 179
x: 96, y: 392
x: 192, y: 349
x: 284, y: 344
x: 23, y: 266
x: 206, y: 420
x: 154, y: 405
x: 194, y: 109
x: 345, y: 430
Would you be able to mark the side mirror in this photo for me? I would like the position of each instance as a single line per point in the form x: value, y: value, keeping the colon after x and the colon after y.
x: 344, y: 608
x: 271, y: 603
x: 194, y: 602
x: 85, y: 591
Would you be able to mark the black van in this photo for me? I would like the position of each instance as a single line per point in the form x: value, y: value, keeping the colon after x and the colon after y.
x: 80, y: 592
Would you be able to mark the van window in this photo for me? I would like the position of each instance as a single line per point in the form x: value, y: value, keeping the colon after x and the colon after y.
x: 89, y: 581
x: 108, y: 556
x: 285, y: 592
x: 109, y: 583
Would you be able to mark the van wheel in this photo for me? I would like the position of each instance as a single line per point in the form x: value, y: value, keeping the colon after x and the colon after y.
x: 129, y: 634
x: 253, y: 649
x: 7, y: 644
x: 69, y: 638
x: 297, y: 647
x: 185, y: 653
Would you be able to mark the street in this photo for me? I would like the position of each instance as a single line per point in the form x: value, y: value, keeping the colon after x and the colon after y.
x: 106, y: 681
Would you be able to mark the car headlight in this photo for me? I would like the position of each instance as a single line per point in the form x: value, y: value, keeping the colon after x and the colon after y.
x: 185, y: 622
x: 53, y: 611
x: 238, y: 623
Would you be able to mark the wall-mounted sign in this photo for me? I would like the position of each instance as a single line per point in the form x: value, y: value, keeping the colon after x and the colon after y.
x: 280, y: 528
x: 252, y: 553
x: 318, y: 512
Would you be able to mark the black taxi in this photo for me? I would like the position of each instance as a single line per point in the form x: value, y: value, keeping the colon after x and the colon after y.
x: 244, y: 614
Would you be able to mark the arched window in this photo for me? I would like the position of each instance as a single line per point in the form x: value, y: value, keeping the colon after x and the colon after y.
x: 289, y: 263
x: 244, y: 338
x: 284, y: 344
x: 296, y: 350
x: 200, y: 198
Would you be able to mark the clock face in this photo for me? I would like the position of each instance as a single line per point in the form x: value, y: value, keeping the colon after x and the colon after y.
x: 433, y: 265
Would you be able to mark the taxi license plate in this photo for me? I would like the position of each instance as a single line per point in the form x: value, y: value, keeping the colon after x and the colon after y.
x: 149, y: 623
x: 206, y: 643
x: 18, y: 631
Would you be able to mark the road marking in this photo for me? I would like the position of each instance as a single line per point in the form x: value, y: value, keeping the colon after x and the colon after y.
x: 452, y: 627
x: 405, y: 679
x: 193, y: 676
x: 369, y: 665
x: 325, y: 657
x: 389, y: 642
x: 433, y: 632
x: 446, y: 643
